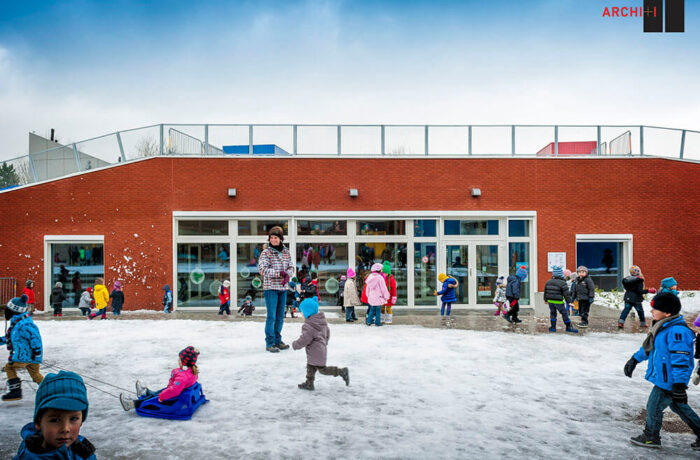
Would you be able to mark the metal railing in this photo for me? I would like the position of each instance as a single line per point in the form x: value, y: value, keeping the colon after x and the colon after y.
x: 349, y: 140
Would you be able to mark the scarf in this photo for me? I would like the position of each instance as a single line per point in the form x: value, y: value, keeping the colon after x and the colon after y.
x: 278, y: 248
x: 648, y: 344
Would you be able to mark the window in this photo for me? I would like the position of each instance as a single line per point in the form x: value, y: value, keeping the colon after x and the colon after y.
x: 383, y: 227
x: 368, y: 254
x: 425, y: 228
x: 519, y: 256
x: 322, y: 227
x: 518, y: 228
x: 202, y: 227
x: 260, y: 227
x: 201, y: 269
x: 248, y: 280
x: 76, y: 266
x: 471, y: 227
x: 604, y: 260
x: 329, y: 261
x: 424, y: 273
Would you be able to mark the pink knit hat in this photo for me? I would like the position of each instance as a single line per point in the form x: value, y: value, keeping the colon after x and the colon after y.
x: 351, y: 273
x: 377, y: 267
x: 697, y: 322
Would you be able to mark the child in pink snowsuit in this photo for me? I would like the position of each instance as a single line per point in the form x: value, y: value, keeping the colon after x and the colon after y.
x: 377, y: 294
x: 181, y: 378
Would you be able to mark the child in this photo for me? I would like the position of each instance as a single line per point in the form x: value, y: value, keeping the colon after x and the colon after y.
x: 60, y: 409
x: 669, y: 349
x: 448, y: 297
x: 247, y: 307
x: 669, y: 285
x: 513, y: 285
x: 341, y: 293
x: 29, y: 291
x: 387, y: 313
x: 314, y: 337
x: 181, y: 378
x: 696, y: 374
x: 167, y: 299
x: 584, y: 292
x: 57, y: 298
x: 634, y: 296
x: 295, y: 295
x: 310, y: 287
x: 350, y: 297
x: 117, y: 297
x: 225, y: 298
x: 23, y: 341
x: 377, y: 294
x: 571, y: 307
x: 555, y: 294
x: 101, y: 296
x: 86, y: 301
x: 499, y: 299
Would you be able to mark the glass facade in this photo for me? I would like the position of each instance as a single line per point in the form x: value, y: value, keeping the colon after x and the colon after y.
x: 329, y: 261
x: 322, y: 227
x: 260, y: 227
x: 471, y: 227
x: 518, y: 228
x: 486, y: 273
x: 604, y: 262
x: 519, y: 256
x: 201, y: 268
x: 457, y: 263
x: 202, y: 227
x: 381, y: 227
x: 76, y: 266
x: 424, y: 228
x: 395, y: 253
x: 424, y: 273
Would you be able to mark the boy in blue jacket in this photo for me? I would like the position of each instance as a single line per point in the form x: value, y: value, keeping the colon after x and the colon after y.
x: 24, y: 344
x: 60, y: 409
x: 669, y: 349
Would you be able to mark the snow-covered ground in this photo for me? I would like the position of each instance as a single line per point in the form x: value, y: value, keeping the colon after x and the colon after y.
x: 690, y: 300
x: 414, y: 393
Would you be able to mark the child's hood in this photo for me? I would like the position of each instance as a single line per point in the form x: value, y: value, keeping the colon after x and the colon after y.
x: 32, y: 443
x: 317, y: 321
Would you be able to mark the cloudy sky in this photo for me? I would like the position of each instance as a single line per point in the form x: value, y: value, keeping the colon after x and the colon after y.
x: 88, y: 68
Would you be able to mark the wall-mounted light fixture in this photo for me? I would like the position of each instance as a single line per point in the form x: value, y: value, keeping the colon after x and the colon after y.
x: 476, y: 192
x: 353, y: 192
x: 232, y: 192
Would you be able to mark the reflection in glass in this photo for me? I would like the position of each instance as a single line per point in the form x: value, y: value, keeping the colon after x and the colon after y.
x: 518, y: 228
x: 471, y: 227
x: 202, y: 227
x: 425, y: 273
x: 603, y: 261
x: 201, y: 269
x: 76, y: 266
x: 249, y: 281
x: 424, y: 228
x: 519, y: 256
x: 381, y: 227
x: 486, y: 273
x: 329, y: 261
x: 260, y: 227
x: 322, y: 227
x: 371, y: 253
x: 457, y: 262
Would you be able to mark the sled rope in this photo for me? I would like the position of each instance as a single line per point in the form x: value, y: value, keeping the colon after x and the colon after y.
x: 53, y: 366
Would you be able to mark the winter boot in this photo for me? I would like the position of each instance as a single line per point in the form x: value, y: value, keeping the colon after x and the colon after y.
x: 389, y: 318
x: 306, y: 386
x: 553, y: 326
x: 570, y: 328
x: 14, y: 390
x: 272, y: 349
x: 443, y: 322
x: 620, y: 326
x: 646, y: 441
x: 345, y: 374
x: 127, y: 403
x: 140, y: 389
x: 282, y: 346
x: 103, y: 316
x: 696, y: 444
x: 507, y: 317
x: 498, y: 313
x: 583, y: 324
x: 515, y: 319
x: 452, y: 321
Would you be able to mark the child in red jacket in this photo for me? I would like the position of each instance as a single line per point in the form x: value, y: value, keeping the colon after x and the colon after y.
x: 29, y: 291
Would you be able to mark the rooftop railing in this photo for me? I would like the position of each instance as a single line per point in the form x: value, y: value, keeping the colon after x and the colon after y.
x: 263, y: 140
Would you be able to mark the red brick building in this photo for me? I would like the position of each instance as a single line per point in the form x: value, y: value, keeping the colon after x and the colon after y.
x: 173, y: 220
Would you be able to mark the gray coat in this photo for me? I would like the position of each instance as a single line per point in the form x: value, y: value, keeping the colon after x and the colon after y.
x: 314, y: 336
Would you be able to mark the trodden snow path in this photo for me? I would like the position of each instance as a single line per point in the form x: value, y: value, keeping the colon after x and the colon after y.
x: 414, y: 393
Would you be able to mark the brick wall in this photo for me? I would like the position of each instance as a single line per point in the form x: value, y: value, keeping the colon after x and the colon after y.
x: 656, y: 200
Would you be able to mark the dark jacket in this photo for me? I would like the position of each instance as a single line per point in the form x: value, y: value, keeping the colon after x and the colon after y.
x: 314, y: 336
x: 556, y: 289
x: 634, y: 289
x: 585, y: 289
x: 117, y: 300
x: 57, y: 296
x: 513, y: 287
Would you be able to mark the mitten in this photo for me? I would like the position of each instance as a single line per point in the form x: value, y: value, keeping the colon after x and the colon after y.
x: 696, y: 375
x: 652, y: 290
x: 434, y: 292
x: 513, y: 302
x: 393, y: 300
x: 678, y: 393
x: 629, y: 366
x: 285, y: 278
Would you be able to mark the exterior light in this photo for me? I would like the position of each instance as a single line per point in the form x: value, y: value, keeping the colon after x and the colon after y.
x: 476, y: 192
x: 232, y: 192
x: 353, y: 192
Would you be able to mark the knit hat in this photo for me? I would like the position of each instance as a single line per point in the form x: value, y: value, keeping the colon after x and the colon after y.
x: 567, y: 272
x: 377, y: 267
x: 309, y: 306
x: 386, y: 267
x: 277, y: 231
x: 667, y: 303
x: 166, y: 287
x: 668, y: 283
x: 582, y: 268
x: 188, y: 356
x: 29, y: 283
x: 521, y: 273
x: 18, y: 304
x: 63, y: 391
x: 117, y: 284
x: 635, y: 270
x: 58, y: 284
x: 343, y: 277
x: 351, y: 273
x: 442, y: 277
x: 248, y: 298
x: 500, y: 280
x: 89, y: 290
x: 697, y: 322
x: 557, y: 271
x: 227, y: 283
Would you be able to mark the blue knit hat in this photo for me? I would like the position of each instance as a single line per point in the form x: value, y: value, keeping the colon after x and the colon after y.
x: 63, y: 391
x: 521, y: 273
x: 18, y: 304
x: 309, y: 306
x: 557, y: 271
x: 668, y: 282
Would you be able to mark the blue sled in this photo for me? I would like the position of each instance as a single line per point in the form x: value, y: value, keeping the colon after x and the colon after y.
x: 180, y: 408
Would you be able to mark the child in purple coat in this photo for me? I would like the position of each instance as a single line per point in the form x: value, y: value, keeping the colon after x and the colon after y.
x: 314, y: 337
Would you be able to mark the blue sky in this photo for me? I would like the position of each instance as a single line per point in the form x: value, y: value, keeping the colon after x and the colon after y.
x: 88, y: 68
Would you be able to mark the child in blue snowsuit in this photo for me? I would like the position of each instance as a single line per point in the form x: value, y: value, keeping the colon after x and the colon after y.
x: 167, y: 299
x: 669, y: 349
x: 513, y: 286
x: 448, y: 297
x: 23, y: 341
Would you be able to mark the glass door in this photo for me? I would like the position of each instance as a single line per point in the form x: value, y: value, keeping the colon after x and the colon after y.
x: 475, y: 267
x: 486, y: 261
x: 457, y: 266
